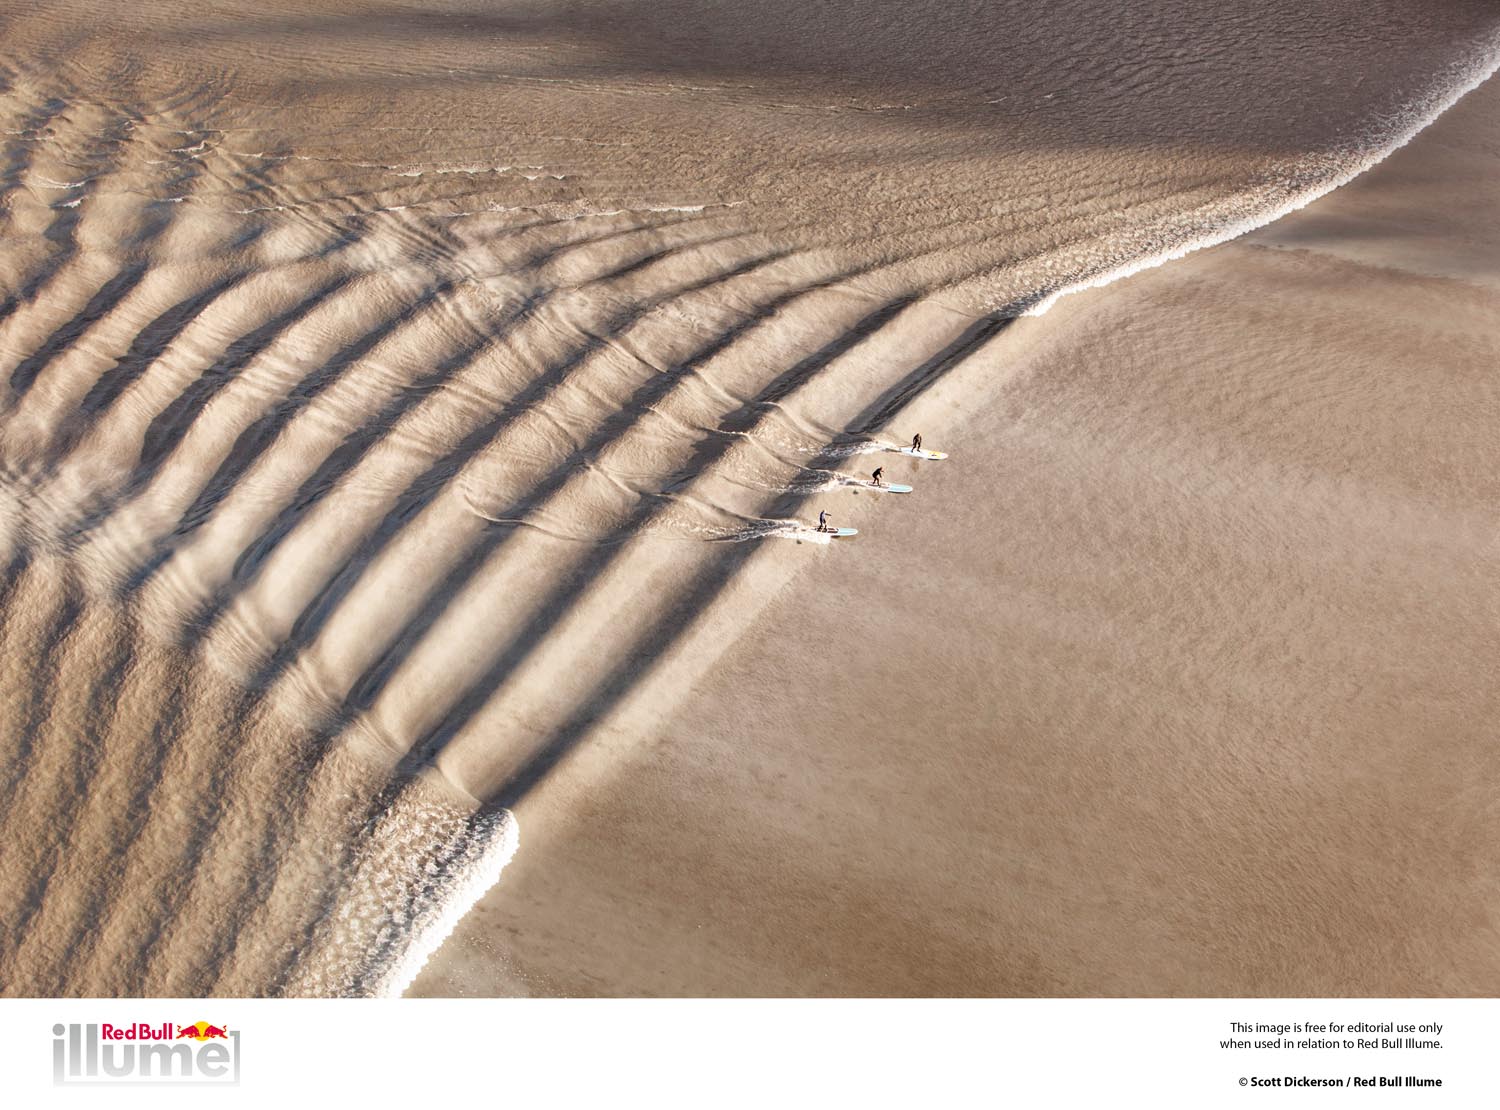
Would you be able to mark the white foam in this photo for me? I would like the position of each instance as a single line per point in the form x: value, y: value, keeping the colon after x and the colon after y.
x: 417, y: 871
x: 601, y: 213
x: 475, y: 877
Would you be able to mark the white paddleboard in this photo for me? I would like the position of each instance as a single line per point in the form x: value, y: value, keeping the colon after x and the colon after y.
x: 924, y: 454
x: 835, y: 533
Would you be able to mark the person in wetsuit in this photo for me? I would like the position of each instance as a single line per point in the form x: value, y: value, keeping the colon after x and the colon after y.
x: 879, y: 470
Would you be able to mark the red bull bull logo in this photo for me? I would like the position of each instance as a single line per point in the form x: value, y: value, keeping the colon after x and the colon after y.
x: 197, y: 1054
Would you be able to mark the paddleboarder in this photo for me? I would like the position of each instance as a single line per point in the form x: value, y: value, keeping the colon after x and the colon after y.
x: 879, y: 470
x: 916, y: 442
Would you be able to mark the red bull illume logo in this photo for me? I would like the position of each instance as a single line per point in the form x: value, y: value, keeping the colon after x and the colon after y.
x: 166, y: 1053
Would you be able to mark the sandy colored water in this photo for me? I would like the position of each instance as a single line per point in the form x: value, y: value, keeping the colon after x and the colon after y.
x: 1175, y: 679
x: 409, y: 413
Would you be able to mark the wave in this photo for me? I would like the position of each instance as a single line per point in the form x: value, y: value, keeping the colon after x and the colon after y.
x: 1298, y: 186
x: 290, y: 636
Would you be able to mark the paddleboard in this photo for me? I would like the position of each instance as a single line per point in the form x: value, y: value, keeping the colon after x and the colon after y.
x: 887, y: 487
x: 924, y: 454
x: 835, y: 533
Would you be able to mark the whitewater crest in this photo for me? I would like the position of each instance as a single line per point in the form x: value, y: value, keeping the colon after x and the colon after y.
x: 421, y: 866
x: 1295, y: 185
